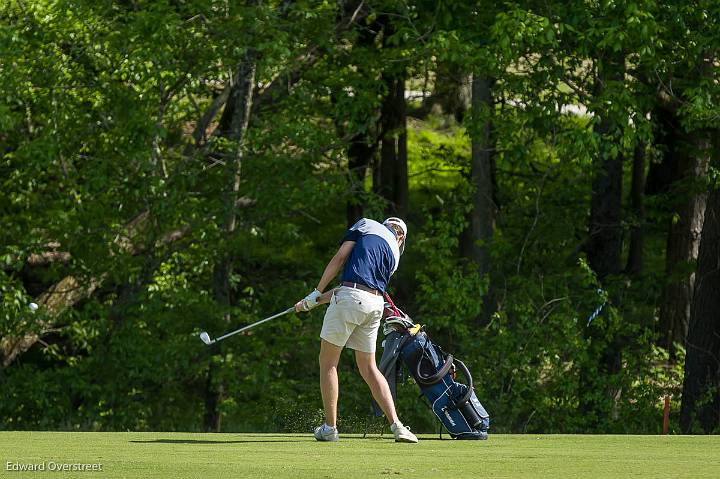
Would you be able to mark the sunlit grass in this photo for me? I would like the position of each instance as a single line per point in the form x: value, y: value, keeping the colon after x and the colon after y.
x: 278, y: 456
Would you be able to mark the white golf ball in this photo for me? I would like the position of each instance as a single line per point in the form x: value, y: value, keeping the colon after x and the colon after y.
x: 33, y: 306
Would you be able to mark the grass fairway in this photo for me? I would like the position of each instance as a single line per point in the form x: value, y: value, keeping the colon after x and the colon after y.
x: 179, y: 455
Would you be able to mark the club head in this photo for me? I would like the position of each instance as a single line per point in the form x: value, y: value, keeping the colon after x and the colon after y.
x: 205, y: 337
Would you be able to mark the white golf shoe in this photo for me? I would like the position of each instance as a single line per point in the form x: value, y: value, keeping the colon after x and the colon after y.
x: 326, y: 433
x: 402, y: 433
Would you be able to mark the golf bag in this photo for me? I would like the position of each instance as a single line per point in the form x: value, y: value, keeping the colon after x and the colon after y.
x: 455, y: 404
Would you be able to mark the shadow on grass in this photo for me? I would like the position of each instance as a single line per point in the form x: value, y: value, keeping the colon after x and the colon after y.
x: 270, y: 438
x: 201, y: 441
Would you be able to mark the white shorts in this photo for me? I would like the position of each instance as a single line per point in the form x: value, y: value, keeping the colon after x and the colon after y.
x: 353, y: 319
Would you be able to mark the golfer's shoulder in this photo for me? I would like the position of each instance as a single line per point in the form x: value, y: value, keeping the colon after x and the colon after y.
x: 371, y: 234
x: 367, y: 226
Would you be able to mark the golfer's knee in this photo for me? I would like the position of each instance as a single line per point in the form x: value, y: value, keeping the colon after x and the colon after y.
x: 365, y: 371
x: 326, y: 364
x: 329, y: 356
x: 367, y: 368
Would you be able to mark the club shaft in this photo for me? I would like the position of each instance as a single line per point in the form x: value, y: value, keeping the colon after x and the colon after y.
x: 249, y: 326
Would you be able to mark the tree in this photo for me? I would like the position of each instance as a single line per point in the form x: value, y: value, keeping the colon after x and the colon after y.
x: 701, y: 389
x: 390, y: 175
x: 605, y: 230
x: 452, y: 91
x: 170, y: 167
x: 681, y: 118
x: 634, y: 264
x: 683, y: 237
x: 479, y: 235
x: 390, y: 179
x: 465, y: 76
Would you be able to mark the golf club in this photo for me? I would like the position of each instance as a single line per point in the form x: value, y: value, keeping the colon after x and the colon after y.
x: 205, y: 337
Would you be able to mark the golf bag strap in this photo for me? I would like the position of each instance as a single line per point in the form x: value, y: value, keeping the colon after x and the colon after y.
x: 433, y: 378
x: 395, y: 308
x: 464, y: 370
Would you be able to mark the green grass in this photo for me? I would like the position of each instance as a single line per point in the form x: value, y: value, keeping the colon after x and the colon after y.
x: 279, y: 456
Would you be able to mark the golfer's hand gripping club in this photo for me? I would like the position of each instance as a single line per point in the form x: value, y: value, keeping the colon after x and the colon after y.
x: 308, y: 302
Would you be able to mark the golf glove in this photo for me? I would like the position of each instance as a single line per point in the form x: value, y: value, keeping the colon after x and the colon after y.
x: 310, y: 301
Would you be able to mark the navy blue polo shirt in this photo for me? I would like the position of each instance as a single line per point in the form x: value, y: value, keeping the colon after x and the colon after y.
x: 375, y: 256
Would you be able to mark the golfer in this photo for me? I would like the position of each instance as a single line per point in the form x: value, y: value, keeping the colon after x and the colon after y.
x: 369, y: 254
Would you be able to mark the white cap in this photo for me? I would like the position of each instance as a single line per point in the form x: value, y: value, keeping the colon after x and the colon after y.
x: 400, y: 223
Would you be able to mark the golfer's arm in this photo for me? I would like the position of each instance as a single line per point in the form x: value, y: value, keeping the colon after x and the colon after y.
x: 335, y: 265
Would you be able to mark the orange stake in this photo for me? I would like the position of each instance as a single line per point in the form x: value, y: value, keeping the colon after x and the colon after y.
x: 666, y: 416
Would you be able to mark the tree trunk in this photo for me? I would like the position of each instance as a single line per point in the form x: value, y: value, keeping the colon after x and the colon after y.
x: 482, y: 217
x: 605, y: 242
x: 637, y: 194
x: 661, y: 175
x: 391, y: 177
x: 234, y: 124
x: 360, y: 155
x: 212, y: 419
x: 604, y: 249
x: 683, y: 238
x: 385, y: 180
x: 701, y: 388
x: 476, y: 239
x: 362, y: 149
x: 452, y: 92
x: 401, y: 165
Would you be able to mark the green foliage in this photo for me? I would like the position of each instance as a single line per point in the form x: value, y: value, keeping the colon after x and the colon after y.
x: 97, y: 161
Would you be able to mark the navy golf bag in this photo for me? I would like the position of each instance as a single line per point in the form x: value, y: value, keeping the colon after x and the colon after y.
x: 455, y: 404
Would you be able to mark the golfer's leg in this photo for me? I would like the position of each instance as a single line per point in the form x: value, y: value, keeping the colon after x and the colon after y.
x: 329, y: 357
x: 378, y: 384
